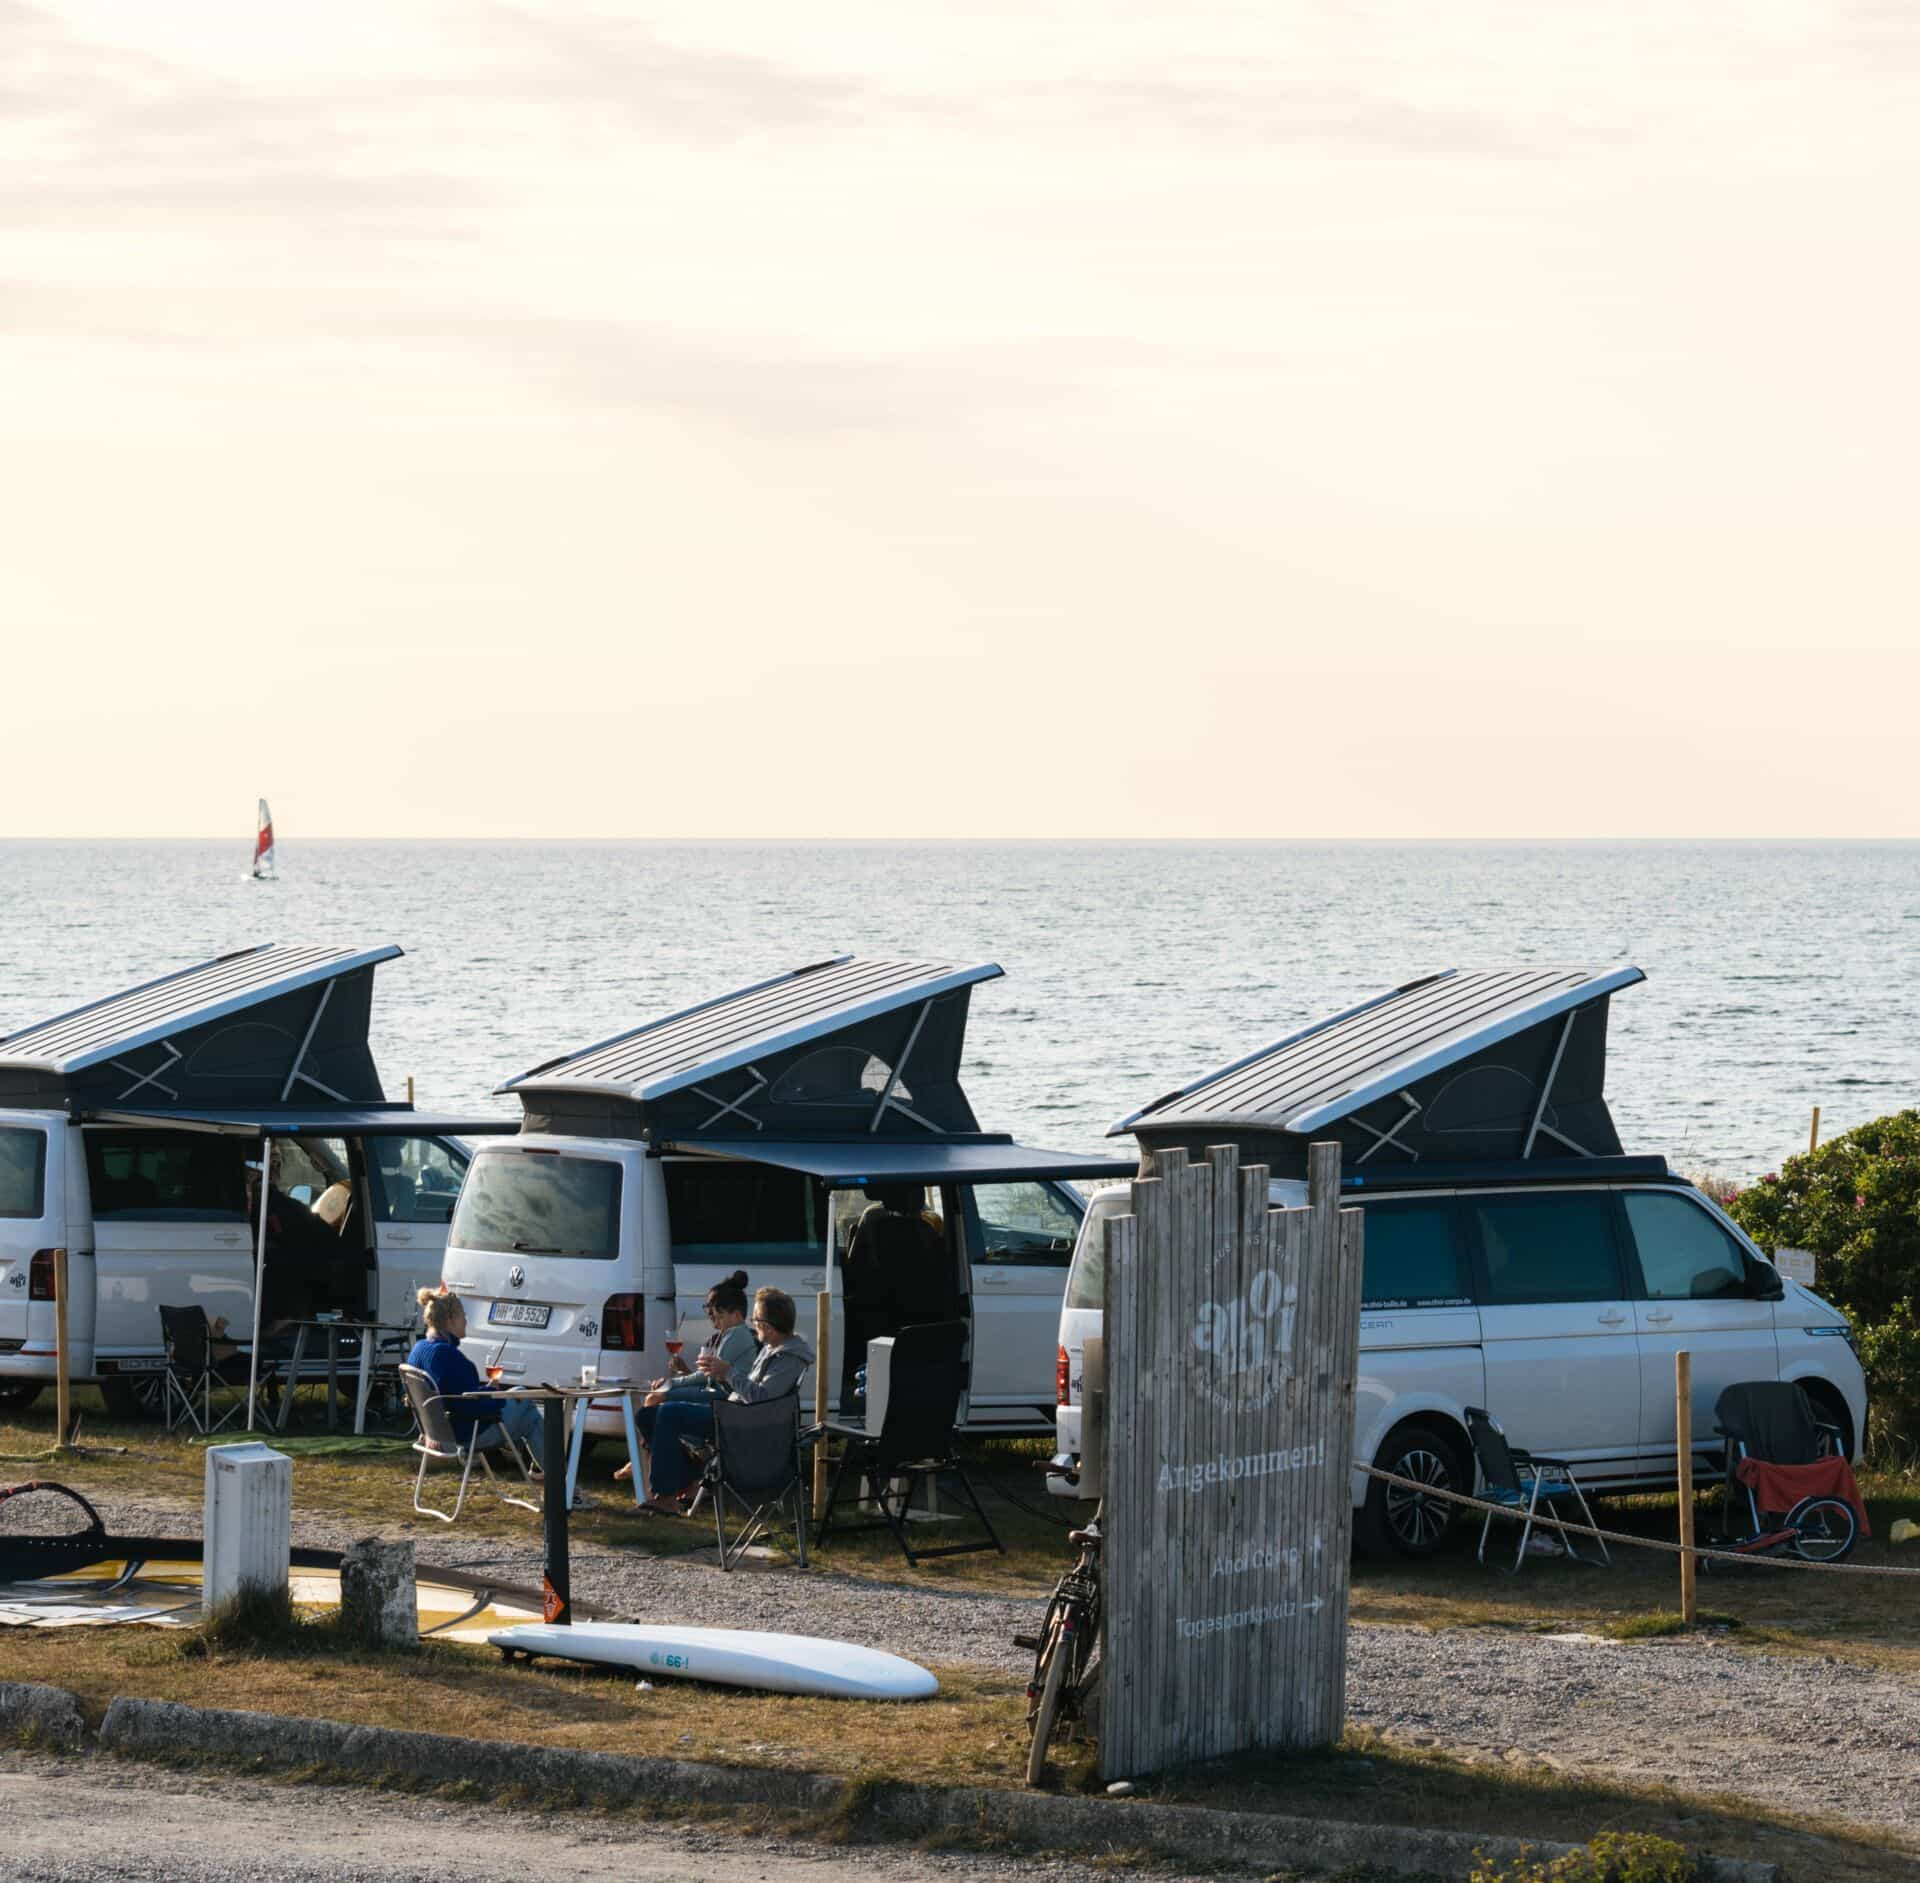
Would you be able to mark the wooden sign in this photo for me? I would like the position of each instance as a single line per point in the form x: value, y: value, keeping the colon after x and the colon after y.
x: 1232, y: 1339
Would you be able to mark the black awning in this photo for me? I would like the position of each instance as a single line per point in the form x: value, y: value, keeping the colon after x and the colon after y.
x: 854, y: 1163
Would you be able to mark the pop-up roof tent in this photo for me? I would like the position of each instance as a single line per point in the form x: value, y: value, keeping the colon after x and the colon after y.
x: 1469, y: 1066
x: 848, y: 1070
x: 270, y: 1038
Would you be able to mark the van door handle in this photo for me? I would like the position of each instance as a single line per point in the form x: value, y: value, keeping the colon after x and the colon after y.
x: 815, y: 1281
x: 991, y: 1280
x: 232, y: 1238
x: 399, y: 1235
x: 1613, y: 1318
x: 1660, y: 1320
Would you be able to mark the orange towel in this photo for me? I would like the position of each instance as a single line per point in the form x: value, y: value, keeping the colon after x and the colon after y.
x: 1780, y: 1487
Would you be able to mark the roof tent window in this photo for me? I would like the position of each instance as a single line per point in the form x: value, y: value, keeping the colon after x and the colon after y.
x: 837, y: 1075
x: 745, y: 1213
x: 179, y: 1176
x: 539, y: 1203
x: 23, y: 1173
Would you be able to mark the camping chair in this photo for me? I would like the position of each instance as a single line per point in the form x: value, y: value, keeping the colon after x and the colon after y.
x: 193, y: 1372
x: 1773, y: 1422
x: 755, y: 1460
x: 439, y: 1443
x: 915, y: 1442
x: 1522, y: 1481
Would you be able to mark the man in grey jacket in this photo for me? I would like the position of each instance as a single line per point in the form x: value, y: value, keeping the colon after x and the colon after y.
x: 782, y: 1361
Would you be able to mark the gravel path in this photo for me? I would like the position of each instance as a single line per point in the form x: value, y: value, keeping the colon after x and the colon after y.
x: 1806, y: 1733
x: 76, y: 1821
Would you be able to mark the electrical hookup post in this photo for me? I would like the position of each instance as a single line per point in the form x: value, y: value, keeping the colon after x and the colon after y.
x: 1232, y: 1339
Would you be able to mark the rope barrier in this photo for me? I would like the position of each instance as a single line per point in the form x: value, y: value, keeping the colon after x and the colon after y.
x: 1543, y: 1521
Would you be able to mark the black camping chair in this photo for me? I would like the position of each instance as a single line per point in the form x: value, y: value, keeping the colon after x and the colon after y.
x: 1524, y: 1482
x: 1775, y: 1422
x: 915, y: 1443
x: 755, y: 1460
x: 193, y: 1372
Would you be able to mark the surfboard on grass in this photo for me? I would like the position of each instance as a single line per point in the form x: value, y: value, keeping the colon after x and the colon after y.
x: 730, y: 1657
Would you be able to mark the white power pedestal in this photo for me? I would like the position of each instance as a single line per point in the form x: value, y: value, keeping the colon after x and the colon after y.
x: 249, y: 1520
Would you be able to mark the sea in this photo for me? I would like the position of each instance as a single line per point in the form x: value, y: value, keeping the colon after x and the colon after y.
x: 1780, y: 976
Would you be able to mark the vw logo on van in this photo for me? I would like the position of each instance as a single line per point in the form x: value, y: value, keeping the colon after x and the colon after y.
x: 516, y: 1276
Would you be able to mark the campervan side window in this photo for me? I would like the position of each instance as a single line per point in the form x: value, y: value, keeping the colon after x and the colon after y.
x: 176, y: 1176
x: 752, y: 1214
x: 23, y: 1173
x: 415, y: 1180
x: 1413, y: 1256
x: 540, y: 1203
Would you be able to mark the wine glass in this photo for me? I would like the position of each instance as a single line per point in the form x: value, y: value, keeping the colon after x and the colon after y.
x: 673, y: 1345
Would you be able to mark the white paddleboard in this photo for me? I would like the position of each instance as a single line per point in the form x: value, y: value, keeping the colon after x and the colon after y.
x: 732, y: 1657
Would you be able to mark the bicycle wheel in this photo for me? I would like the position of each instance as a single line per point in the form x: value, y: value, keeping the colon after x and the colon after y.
x: 1056, y: 1654
x: 1823, y: 1528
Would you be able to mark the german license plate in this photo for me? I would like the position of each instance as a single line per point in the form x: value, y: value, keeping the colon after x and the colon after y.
x: 520, y: 1313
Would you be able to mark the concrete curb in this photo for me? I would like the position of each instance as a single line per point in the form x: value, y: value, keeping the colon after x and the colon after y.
x: 49, y: 1713
x: 165, y: 1728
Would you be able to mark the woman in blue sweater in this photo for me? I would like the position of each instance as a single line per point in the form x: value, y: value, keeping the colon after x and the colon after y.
x: 438, y: 1356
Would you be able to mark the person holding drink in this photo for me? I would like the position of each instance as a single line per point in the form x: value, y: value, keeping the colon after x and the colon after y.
x: 731, y: 1341
x: 438, y: 1356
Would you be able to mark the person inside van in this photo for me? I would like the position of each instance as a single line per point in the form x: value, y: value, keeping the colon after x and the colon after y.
x: 437, y: 1354
x: 730, y: 1341
x: 896, y: 1273
x: 777, y: 1369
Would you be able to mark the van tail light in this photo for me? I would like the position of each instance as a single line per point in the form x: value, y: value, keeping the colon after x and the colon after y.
x: 1063, y: 1379
x: 623, y: 1324
x: 40, y: 1274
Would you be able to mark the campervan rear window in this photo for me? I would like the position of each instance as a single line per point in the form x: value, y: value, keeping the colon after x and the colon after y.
x: 23, y: 1173
x: 539, y: 1203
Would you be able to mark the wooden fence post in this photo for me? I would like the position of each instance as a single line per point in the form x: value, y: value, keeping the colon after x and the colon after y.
x: 822, y: 1361
x: 1813, y: 1133
x: 1683, y: 1437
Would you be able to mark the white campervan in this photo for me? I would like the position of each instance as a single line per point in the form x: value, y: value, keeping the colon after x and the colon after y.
x: 756, y: 1132
x: 1514, y: 1259
x: 148, y: 1110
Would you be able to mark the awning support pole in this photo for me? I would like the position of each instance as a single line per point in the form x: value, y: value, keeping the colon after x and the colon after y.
x: 259, y: 1281
x: 823, y: 1360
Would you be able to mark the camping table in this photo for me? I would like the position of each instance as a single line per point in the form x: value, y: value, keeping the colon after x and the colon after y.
x: 559, y: 1462
x: 369, y: 1332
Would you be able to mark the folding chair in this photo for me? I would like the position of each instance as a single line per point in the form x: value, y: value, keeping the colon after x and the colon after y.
x: 438, y: 1443
x: 1523, y: 1481
x: 193, y: 1372
x: 915, y: 1443
x: 756, y: 1461
x: 1773, y: 1422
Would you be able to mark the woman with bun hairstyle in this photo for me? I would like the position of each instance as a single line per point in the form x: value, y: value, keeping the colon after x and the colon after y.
x: 731, y: 1341
x: 437, y: 1354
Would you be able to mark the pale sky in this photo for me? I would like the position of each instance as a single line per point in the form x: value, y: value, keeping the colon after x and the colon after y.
x: 1053, y: 418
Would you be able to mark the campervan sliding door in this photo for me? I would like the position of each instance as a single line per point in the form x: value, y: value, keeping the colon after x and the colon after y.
x: 170, y: 1229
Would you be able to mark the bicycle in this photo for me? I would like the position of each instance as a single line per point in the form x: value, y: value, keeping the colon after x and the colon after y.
x: 1066, y: 1662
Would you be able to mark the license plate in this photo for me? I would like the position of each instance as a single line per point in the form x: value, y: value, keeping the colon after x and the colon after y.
x: 520, y: 1313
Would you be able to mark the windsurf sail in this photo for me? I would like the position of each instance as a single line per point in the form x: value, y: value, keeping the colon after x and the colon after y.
x: 263, y: 844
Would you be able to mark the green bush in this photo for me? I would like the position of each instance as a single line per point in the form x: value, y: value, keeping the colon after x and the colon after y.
x: 1612, y: 1857
x: 1855, y: 1202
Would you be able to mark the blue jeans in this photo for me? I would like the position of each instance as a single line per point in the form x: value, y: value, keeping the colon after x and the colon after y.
x: 662, y: 1427
x: 521, y: 1417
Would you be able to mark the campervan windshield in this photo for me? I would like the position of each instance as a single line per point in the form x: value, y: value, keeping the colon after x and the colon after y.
x: 539, y: 1203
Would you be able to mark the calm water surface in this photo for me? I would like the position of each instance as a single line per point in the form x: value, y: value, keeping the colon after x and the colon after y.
x: 1780, y: 976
